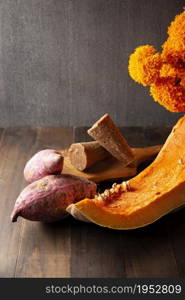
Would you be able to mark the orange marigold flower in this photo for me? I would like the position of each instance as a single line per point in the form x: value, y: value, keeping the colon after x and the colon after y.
x: 170, y: 94
x: 176, y: 32
x: 182, y: 82
x: 168, y: 71
x: 164, y: 72
x: 144, y: 65
x: 174, y: 47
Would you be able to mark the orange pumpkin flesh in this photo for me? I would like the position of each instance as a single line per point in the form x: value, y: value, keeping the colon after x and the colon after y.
x: 156, y: 191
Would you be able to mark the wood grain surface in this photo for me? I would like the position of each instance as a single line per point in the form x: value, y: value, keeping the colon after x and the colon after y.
x: 75, y: 249
x: 65, y: 62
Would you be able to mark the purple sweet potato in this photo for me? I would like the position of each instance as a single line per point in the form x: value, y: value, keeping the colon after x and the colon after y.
x: 46, y: 199
x: 44, y: 162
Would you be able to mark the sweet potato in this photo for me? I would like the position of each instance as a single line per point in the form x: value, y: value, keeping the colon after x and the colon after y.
x: 46, y: 199
x: 44, y: 162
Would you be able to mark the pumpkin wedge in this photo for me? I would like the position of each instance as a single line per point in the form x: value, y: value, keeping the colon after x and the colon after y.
x: 153, y: 193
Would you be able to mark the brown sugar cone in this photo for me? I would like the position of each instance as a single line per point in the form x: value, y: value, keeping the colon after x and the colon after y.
x: 109, y: 136
x: 84, y: 155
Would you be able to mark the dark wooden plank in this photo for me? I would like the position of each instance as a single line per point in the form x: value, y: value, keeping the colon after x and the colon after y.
x: 176, y: 228
x: 149, y: 251
x: 146, y: 252
x: 65, y: 62
x: 15, y: 146
x: 96, y: 251
x: 44, y: 250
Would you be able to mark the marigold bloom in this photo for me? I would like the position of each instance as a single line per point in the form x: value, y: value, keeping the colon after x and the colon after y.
x: 164, y: 72
x: 174, y: 47
x: 144, y: 65
x: 171, y: 96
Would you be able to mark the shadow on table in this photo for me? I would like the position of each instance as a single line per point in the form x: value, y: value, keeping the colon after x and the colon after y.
x: 156, y: 250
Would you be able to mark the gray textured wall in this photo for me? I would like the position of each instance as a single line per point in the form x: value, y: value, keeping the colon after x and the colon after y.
x: 64, y: 62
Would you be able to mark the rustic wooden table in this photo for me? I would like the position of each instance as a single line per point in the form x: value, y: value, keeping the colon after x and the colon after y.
x: 75, y: 249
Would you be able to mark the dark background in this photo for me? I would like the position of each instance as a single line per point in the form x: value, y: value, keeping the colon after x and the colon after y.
x: 64, y: 62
